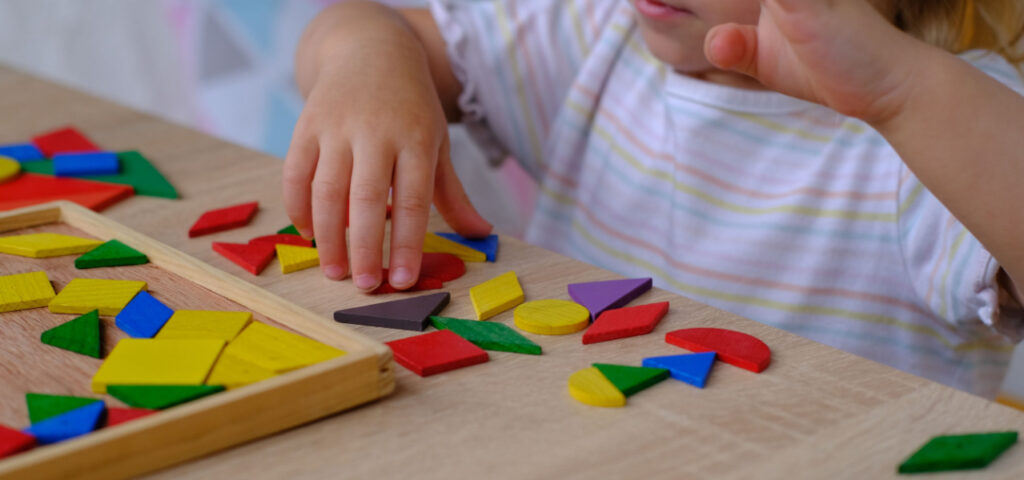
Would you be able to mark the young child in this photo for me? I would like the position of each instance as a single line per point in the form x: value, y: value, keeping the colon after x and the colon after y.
x: 825, y: 167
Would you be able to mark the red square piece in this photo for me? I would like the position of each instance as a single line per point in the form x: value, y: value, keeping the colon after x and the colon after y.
x: 224, y: 219
x: 625, y: 322
x: 116, y: 415
x: 436, y: 352
x: 12, y: 441
x: 63, y: 140
x: 252, y: 257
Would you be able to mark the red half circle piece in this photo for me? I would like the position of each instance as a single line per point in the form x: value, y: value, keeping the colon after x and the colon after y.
x: 735, y: 348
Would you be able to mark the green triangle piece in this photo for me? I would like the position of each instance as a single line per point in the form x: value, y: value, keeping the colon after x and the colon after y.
x: 135, y: 171
x: 81, y: 335
x: 42, y: 406
x: 630, y: 380
x: 111, y: 254
x: 958, y: 452
x: 158, y: 397
x: 488, y: 335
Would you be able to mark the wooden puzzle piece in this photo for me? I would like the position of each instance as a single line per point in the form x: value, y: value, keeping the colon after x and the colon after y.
x: 291, y: 230
x: 405, y: 314
x: 278, y: 350
x: 496, y: 295
x: 85, y: 163
x: 42, y: 406
x: 551, y: 317
x: 83, y: 295
x: 119, y: 415
x: 293, y: 258
x: 30, y: 189
x: 81, y: 335
x: 13, y: 441
x: 488, y: 245
x: 958, y: 452
x: 600, y: 296
x: 143, y: 316
x: 437, y: 244
x: 692, y: 368
x: 230, y: 371
x: 111, y: 254
x: 282, y: 238
x: 136, y: 173
x: 62, y: 140
x: 22, y: 152
x: 144, y: 361
x: 488, y: 335
x: 223, y: 219
x: 442, y: 266
x: 436, y: 352
x: 625, y: 322
x: 253, y: 258
x: 159, y: 397
x: 65, y: 426
x: 204, y: 324
x: 46, y: 245
x: 25, y: 290
x: 9, y: 168
x: 422, y: 284
x: 590, y: 386
x: 630, y: 380
x: 735, y: 348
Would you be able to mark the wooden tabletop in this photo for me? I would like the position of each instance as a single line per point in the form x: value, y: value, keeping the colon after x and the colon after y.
x: 816, y: 412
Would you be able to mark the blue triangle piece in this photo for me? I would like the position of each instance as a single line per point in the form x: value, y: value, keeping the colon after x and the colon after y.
x: 143, y: 316
x: 692, y: 368
x: 600, y: 296
x: 79, y: 421
x: 488, y: 244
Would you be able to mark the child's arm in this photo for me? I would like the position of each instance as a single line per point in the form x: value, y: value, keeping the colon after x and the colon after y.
x: 960, y: 131
x: 378, y: 87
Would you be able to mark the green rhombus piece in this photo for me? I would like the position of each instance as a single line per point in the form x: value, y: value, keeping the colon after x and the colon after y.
x: 111, y: 254
x: 488, y: 335
x: 42, y: 406
x: 158, y: 397
x: 958, y: 452
x: 81, y: 335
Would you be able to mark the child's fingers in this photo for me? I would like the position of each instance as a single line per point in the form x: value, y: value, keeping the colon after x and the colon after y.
x: 733, y: 47
x: 330, y: 189
x: 371, y: 179
x: 299, y: 168
x: 410, y: 209
x: 453, y: 203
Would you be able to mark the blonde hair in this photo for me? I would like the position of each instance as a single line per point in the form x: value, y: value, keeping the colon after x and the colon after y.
x: 959, y: 25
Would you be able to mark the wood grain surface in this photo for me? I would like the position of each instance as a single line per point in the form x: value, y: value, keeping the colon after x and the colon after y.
x: 816, y: 412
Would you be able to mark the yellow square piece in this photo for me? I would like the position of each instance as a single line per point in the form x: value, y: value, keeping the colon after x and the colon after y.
x: 496, y: 295
x: 83, y: 295
x: 25, y: 290
x: 204, y: 324
x: 294, y: 258
x: 233, y: 372
x: 43, y: 245
x: 146, y: 361
x: 278, y: 350
x: 433, y: 243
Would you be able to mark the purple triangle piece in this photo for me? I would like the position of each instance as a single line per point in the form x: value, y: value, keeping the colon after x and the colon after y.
x: 600, y: 296
x: 406, y: 314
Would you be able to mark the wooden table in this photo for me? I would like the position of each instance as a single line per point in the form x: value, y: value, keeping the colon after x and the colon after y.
x: 816, y: 412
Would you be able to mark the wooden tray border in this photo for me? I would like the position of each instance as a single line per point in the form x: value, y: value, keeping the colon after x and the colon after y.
x: 364, y: 373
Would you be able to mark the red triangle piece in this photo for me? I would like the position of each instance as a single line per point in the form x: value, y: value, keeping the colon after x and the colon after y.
x: 436, y: 352
x: 31, y: 189
x: 117, y: 415
x: 63, y: 140
x: 253, y: 258
x: 13, y: 441
x: 625, y: 322
x: 732, y: 347
x: 284, y: 238
x: 224, y: 219
x: 442, y: 266
x: 424, y: 283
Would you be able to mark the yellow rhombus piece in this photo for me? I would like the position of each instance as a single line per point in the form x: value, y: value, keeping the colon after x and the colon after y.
x: 147, y: 361
x: 591, y: 387
x: 25, y: 290
x: 433, y: 243
x: 278, y: 350
x: 496, y: 295
x: 294, y: 258
x: 43, y: 245
x: 233, y: 372
x: 204, y: 324
x: 83, y: 295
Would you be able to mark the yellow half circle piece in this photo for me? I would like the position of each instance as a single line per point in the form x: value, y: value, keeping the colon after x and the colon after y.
x: 590, y: 386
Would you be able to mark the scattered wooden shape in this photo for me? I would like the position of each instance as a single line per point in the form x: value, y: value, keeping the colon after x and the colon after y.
x: 436, y: 352
x: 136, y: 172
x: 143, y: 317
x: 437, y: 244
x: 230, y: 371
x: 958, y: 452
x: 65, y: 426
x: 159, y: 397
x: 144, y: 361
x: 692, y: 368
x: 22, y: 152
x: 42, y: 406
x: 625, y: 322
x: 423, y: 283
x: 488, y: 245
x: 496, y: 295
x: 735, y: 348
x: 442, y: 266
x: 83, y: 295
x: 551, y: 317
x: 30, y: 189
x: 282, y: 238
x: 600, y: 296
x: 293, y: 258
x: 223, y: 219
x: 185, y: 324
x: 590, y: 386
x: 253, y: 258
x: 85, y: 163
x: 81, y: 335
x: 119, y: 415
x: 9, y: 168
x: 405, y: 314
x: 22, y: 291
x: 63, y: 140
x: 46, y: 245
x: 13, y: 441
x: 278, y: 350
x: 630, y: 380
x: 488, y: 335
x: 111, y: 254
x: 289, y: 230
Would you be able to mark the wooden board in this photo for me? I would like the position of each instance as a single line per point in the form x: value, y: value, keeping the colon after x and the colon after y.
x: 363, y: 374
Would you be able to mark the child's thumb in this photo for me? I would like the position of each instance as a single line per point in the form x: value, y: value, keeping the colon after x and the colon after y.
x: 733, y: 47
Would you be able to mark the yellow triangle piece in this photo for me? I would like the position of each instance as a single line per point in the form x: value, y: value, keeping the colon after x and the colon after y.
x: 233, y: 372
x: 44, y: 245
x: 83, y: 295
x: 591, y: 387
x: 204, y: 324
x: 147, y: 361
x: 294, y: 258
x: 433, y: 243
x: 496, y: 295
x: 25, y: 290
x: 278, y: 350
x: 9, y: 168
x: 551, y: 317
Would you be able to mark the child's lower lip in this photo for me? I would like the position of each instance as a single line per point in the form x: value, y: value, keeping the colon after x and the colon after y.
x: 657, y: 10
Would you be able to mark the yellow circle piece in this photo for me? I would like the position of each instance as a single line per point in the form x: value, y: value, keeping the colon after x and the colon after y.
x: 590, y: 386
x: 551, y: 317
x: 9, y: 168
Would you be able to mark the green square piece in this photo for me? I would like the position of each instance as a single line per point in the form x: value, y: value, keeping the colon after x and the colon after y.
x: 488, y: 335
x: 958, y: 452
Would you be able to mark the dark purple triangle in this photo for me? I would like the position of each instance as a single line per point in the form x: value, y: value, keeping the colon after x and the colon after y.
x: 600, y: 296
x: 406, y: 314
